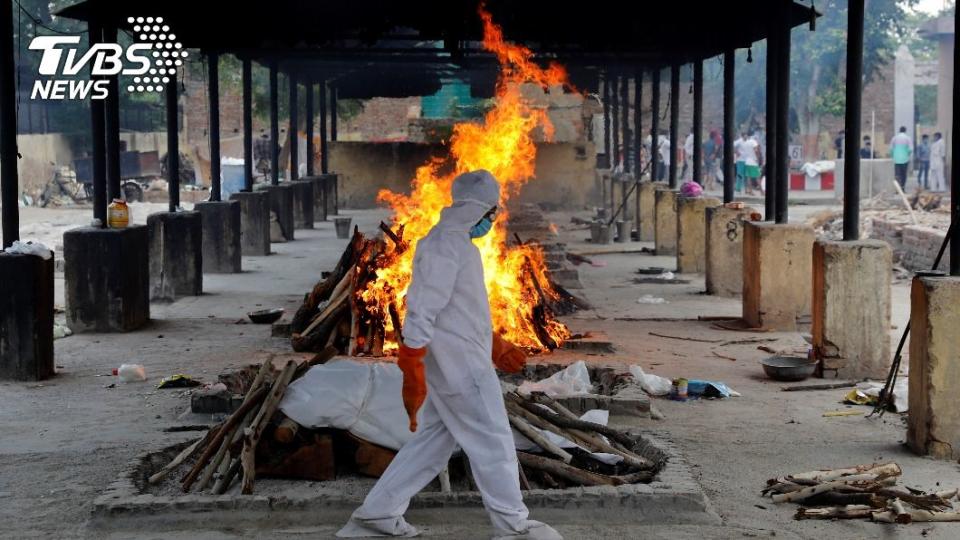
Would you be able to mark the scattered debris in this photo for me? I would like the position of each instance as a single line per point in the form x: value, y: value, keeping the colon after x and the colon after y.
x: 685, y: 338
x: 131, y: 373
x: 650, y: 299
x: 828, y: 386
x: 718, y: 355
x: 833, y: 414
x: 178, y: 381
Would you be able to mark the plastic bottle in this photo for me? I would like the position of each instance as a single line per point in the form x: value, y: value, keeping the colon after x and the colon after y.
x: 118, y: 214
x: 131, y: 373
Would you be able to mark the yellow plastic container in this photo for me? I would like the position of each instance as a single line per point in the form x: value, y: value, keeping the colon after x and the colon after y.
x: 118, y: 214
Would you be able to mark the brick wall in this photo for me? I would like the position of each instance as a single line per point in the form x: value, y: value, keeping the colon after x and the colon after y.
x: 914, y: 246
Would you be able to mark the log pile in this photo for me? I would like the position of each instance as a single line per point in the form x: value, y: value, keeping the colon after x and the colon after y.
x: 861, y: 492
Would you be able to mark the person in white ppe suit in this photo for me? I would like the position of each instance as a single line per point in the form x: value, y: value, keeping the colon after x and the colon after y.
x: 448, y: 341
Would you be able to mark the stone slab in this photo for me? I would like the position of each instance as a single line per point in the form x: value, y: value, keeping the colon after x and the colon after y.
x: 851, y: 307
x: 176, y: 255
x: 692, y: 233
x: 724, y: 248
x: 106, y: 278
x: 777, y: 274
x: 254, y: 222
x: 281, y: 206
x: 26, y: 317
x: 303, y: 201
x: 665, y: 213
x: 933, y: 425
x: 221, y: 236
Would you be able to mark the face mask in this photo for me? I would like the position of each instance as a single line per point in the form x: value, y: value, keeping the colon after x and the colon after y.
x: 481, y: 228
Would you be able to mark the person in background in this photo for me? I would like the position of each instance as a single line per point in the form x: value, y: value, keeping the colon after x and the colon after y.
x: 687, y: 173
x: 750, y: 153
x: 739, y: 163
x: 838, y: 143
x: 923, y: 161
x: 712, y: 154
x: 866, y: 151
x: 663, y: 148
x: 900, y: 149
x: 938, y: 163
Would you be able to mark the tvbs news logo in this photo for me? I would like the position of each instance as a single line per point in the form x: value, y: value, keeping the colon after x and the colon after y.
x: 152, y: 61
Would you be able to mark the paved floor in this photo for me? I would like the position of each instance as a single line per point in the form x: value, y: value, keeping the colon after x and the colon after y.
x: 63, y: 440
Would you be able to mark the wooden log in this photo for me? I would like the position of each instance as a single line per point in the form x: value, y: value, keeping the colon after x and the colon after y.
x: 835, y: 498
x: 395, y: 319
x: 181, y: 457
x: 339, y: 295
x: 354, y: 325
x: 320, y: 337
x: 885, y: 469
x: 321, y: 357
x: 562, y: 470
x: 917, y: 516
x: 321, y: 291
x: 538, y: 438
x: 253, y: 433
x: 399, y: 245
x: 810, y: 491
x: 223, y: 483
x: 900, y: 513
x: 524, y: 483
x: 828, y: 386
x: 855, y: 511
x: 286, y: 431
x: 371, y: 459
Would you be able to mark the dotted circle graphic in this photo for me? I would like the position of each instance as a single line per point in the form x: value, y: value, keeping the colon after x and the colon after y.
x: 167, y: 53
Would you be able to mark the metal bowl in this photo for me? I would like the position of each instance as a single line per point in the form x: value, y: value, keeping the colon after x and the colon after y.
x: 788, y: 368
x: 266, y: 316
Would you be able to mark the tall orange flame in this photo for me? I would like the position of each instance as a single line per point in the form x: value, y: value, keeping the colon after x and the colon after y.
x: 516, y: 276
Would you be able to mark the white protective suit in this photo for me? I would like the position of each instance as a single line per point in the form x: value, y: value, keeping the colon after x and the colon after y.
x: 449, y: 313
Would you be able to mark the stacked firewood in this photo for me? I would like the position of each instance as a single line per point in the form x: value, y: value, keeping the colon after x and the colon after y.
x: 861, y: 492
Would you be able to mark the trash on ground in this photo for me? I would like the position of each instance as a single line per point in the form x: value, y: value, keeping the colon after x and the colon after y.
x: 178, y: 381
x: 571, y: 381
x: 871, y: 392
x: 131, y: 373
x: 654, y: 385
x: 650, y: 299
x: 666, y: 275
x: 29, y: 248
x: 61, y: 331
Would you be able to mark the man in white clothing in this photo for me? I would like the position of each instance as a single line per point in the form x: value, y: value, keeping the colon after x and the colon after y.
x: 938, y: 162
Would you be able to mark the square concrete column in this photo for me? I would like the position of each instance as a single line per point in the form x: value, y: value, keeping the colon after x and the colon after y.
x: 106, y: 278
x: 933, y: 424
x: 176, y: 255
x: 648, y: 204
x: 281, y: 208
x: 331, y: 193
x: 665, y: 215
x: 221, y: 236
x: 319, y: 199
x: 724, y: 247
x: 851, y: 307
x: 303, y: 202
x: 254, y: 222
x: 692, y: 233
x: 26, y: 317
x: 777, y: 274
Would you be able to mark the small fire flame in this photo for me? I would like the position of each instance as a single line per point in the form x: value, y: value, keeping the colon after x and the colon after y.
x: 516, y: 276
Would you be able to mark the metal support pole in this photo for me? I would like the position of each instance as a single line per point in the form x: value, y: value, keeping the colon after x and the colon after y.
x: 698, y: 122
x: 614, y: 122
x: 729, y: 172
x: 655, y: 126
x: 247, y: 125
x: 955, y: 179
x: 292, y: 131
x: 324, y: 159
x: 213, y: 98
x: 606, y: 118
x: 851, y: 152
x: 770, y: 146
x: 674, y: 122
x: 625, y: 120
x: 173, y: 145
x: 309, y: 119
x: 783, y: 113
x: 274, y: 126
x: 112, y: 125
x: 333, y: 112
x: 637, y: 140
x: 9, y: 179
x: 98, y: 155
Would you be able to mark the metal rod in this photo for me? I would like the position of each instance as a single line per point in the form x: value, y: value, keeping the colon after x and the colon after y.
x: 954, y: 180
x: 274, y: 126
x: 333, y: 112
x: 674, y: 121
x: 854, y: 90
x: 9, y: 178
x: 292, y: 130
x: 247, y: 125
x: 698, y: 122
x: 625, y: 120
x: 98, y: 155
x: 606, y: 118
x: 637, y: 140
x: 783, y: 113
x: 309, y: 120
x: 770, y: 146
x: 324, y: 158
x: 615, y: 121
x: 173, y: 146
x: 213, y: 98
x: 729, y: 111
x: 655, y: 127
x: 112, y: 124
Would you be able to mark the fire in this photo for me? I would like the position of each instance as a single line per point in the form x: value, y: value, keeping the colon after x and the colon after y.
x: 516, y: 276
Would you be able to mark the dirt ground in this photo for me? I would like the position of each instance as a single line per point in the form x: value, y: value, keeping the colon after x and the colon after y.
x: 64, y: 439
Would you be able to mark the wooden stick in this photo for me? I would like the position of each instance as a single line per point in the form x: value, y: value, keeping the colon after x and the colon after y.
x: 853, y: 511
x: 252, y: 434
x: 286, y: 431
x: 683, y: 338
x: 181, y: 457
x: 395, y: 319
x: 223, y: 483
x: 718, y: 355
x: 398, y: 242
x: 887, y: 469
x: 538, y: 438
x: 354, y: 325
x: 582, y: 425
x: 828, y: 386
x: 808, y: 492
x: 524, y: 483
x: 336, y: 299
x: 562, y: 470
x: 903, y: 196
x: 901, y: 515
x: 918, y: 516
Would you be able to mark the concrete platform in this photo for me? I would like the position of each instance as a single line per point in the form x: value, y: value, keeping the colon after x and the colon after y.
x: 777, y: 274
x: 933, y: 425
x: 665, y: 212
x: 303, y: 201
x: 106, y: 279
x: 851, y: 307
x: 724, y: 248
x: 648, y: 204
x: 281, y: 206
x: 221, y: 236
x: 692, y: 233
x: 254, y: 222
x: 176, y: 255
x: 26, y: 317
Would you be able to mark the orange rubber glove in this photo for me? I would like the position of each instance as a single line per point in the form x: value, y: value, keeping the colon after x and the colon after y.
x: 414, y: 381
x: 507, y: 356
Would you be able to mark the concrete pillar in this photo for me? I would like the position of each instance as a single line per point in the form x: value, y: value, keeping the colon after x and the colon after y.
x: 724, y: 248
x: 106, y: 278
x: 26, y: 317
x: 254, y: 222
x: 648, y: 204
x: 851, y: 307
x: 692, y: 233
x: 221, y: 236
x: 281, y: 208
x: 933, y: 425
x: 665, y: 216
x: 777, y: 274
x: 176, y: 255
x: 303, y: 201
x: 319, y: 197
